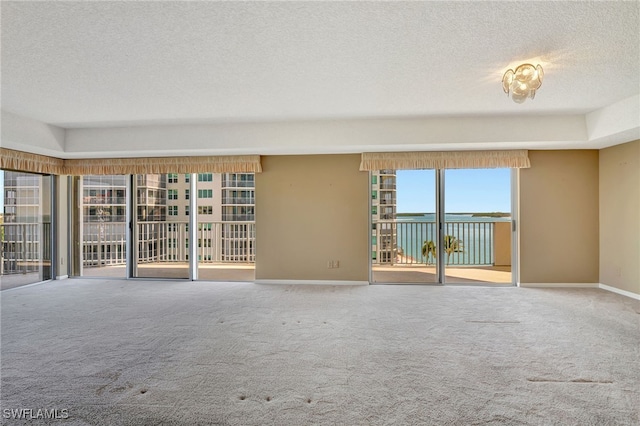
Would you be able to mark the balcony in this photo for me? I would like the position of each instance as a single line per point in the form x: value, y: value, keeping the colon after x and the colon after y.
x: 226, y: 250
x: 232, y: 183
x: 238, y: 200
x: 475, y: 251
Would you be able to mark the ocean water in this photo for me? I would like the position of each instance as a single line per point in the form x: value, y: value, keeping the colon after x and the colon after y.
x: 475, y: 235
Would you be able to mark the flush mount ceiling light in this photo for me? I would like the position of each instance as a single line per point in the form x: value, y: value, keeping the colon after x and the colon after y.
x: 523, y: 82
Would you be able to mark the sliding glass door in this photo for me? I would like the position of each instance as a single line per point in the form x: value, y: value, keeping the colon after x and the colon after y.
x: 142, y: 226
x: 403, y: 226
x: 101, y: 231
x: 226, y: 229
x: 161, y: 226
x: 25, y: 228
x: 445, y: 226
x: 477, y: 226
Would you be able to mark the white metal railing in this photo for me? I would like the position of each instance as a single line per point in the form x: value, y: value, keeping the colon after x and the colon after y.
x: 233, y: 183
x: 218, y: 242
x: 465, y: 242
x: 238, y: 200
x: 25, y: 247
x: 104, y: 243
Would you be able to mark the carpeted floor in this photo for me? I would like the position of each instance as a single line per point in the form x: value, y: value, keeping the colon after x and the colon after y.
x: 113, y: 352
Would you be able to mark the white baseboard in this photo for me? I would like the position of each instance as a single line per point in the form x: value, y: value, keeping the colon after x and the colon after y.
x: 62, y: 277
x: 560, y: 285
x: 311, y: 282
x: 619, y: 291
x: 582, y: 285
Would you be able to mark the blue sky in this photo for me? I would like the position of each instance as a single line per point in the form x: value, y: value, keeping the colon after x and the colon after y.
x: 466, y: 190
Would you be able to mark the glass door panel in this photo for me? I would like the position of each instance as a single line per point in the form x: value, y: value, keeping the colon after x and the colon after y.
x: 477, y: 226
x: 25, y: 228
x: 161, y: 227
x: 403, y: 226
x: 103, y: 219
x: 226, y: 226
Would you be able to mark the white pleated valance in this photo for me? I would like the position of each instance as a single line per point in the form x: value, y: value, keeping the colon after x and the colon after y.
x: 444, y: 160
x: 34, y: 163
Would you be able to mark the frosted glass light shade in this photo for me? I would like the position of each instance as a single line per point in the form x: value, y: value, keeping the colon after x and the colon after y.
x: 523, y: 82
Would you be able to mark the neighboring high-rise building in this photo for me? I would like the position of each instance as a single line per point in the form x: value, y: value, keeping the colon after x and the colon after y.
x: 383, y: 216
x: 238, y: 205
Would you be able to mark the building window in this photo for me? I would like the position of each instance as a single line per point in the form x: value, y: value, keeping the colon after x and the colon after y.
x: 173, y: 193
x: 205, y: 209
x: 374, y: 195
x: 173, y: 210
x: 374, y: 209
x: 205, y: 193
x: 374, y: 180
x: 172, y: 177
x: 205, y: 177
x: 186, y: 194
x: 186, y: 210
x: 187, y: 178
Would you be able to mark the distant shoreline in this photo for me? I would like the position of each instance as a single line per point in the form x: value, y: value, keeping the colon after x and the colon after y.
x: 488, y: 214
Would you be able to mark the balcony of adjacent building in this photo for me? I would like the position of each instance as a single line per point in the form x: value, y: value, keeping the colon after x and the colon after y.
x: 238, y: 180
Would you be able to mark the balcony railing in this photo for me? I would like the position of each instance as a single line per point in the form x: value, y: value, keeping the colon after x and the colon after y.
x: 218, y: 242
x: 104, y: 243
x: 231, y: 183
x: 466, y: 243
x: 238, y: 200
x: 104, y: 200
x: 25, y: 247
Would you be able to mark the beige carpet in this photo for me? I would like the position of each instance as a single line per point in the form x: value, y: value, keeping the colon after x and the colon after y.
x: 116, y: 352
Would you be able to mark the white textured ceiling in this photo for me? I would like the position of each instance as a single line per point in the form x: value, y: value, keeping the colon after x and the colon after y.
x: 83, y: 64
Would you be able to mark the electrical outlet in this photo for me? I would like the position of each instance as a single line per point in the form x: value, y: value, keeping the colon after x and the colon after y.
x: 329, y: 264
x: 336, y: 263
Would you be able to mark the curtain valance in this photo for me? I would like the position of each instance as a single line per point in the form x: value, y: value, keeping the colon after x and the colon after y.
x: 34, y: 163
x: 195, y: 164
x: 444, y: 160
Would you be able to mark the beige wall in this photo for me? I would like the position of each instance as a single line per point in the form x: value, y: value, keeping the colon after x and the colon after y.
x: 502, y: 243
x: 309, y: 210
x: 559, y: 217
x: 620, y: 216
